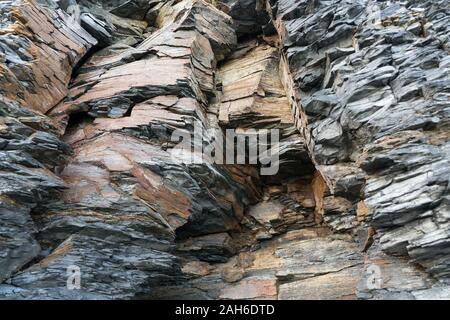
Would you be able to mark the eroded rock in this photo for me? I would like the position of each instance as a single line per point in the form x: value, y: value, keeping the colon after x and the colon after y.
x: 89, y: 178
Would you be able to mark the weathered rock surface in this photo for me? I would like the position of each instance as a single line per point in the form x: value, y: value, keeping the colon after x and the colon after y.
x: 369, y: 81
x: 249, y: 16
x: 122, y: 180
x: 93, y: 94
x: 309, y: 263
x: 38, y: 49
x: 252, y: 99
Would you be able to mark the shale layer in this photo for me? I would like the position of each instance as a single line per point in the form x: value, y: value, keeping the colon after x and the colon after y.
x: 93, y: 92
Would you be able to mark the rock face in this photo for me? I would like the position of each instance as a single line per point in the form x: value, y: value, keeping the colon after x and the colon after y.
x: 252, y: 99
x: 370, y: 82
x: 106, y: 107
x: 39, y: 48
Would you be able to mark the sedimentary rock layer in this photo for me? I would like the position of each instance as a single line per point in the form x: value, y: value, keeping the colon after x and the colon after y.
x: 106, y: 107
x: 369, y: 85
x: 38, y: 50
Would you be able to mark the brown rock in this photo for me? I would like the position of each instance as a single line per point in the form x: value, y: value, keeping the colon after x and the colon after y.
x: 53, y: 46
x: 251, y: 288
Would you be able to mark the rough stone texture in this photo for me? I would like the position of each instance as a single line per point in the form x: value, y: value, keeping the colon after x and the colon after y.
x: 122, y: 180
x: 38, y: 49
x: 309, y: 263
x: 252, y: 99
x: 112, y: 21
x: 369, y: 84
x: 92, y: 91
x: 249, y: 16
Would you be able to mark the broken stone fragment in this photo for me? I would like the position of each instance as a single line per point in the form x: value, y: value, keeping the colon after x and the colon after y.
x: 339, y: 213
x: 97, y: 28
x: 133, y: 9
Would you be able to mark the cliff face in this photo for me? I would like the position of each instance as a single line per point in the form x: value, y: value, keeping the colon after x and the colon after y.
x: 93, y: 93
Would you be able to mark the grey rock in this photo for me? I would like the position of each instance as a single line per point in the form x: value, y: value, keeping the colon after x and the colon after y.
x: 358, y: 89
x: 97, y: 28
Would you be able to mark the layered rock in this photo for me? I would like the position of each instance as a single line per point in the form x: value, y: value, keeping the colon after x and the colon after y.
x: 122, y: 179
x: 310, y: 263
x: 107, y: 106
x: 39, y: 48
x: 252, y: 100
x: 249, y: 16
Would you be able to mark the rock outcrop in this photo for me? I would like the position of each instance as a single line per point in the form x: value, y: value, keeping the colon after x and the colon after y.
x: 370, y: 83
x: 107, y: 108
x: 39, y: 49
